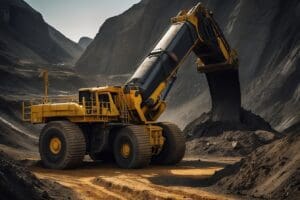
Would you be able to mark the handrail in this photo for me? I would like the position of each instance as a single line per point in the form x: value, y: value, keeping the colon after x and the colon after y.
x: 100, y: 110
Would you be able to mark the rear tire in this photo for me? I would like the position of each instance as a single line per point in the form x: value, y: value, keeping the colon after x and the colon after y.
x: 138, y: 149
x: 174, y: 146
x: 71, y: 149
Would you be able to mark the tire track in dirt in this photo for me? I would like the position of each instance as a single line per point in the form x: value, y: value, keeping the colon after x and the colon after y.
x: 83, y: 187
x: 105, y: 181
x: 132, y: 189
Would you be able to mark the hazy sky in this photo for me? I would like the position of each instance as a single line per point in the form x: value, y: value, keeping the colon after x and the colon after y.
x: 77, y: 18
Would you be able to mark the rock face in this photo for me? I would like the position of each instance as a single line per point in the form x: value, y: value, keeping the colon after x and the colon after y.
x: 84, y: 42
x: 124, y: 40
x: 72, y: 48
x: 266, y: 35
x: 26, y: 38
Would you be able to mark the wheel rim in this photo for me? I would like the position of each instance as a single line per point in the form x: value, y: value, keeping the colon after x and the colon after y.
x: 125, y: 150
x: 55, y: 145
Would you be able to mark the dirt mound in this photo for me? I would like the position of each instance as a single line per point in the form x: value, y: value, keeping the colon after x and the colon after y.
x: 207, y: 137
x: 203, y: 126
x: 272, y: 171
x: 230, y: 143
x: 16, y: 182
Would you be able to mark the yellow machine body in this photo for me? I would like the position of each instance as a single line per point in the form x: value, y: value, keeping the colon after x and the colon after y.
x: 115, y: 107
x: 108, y: 105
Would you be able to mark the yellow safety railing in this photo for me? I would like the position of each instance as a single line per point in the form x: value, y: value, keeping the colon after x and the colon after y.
x: 27, y: 104
x: 98, y: 110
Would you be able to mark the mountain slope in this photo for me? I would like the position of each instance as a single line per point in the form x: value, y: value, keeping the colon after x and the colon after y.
x: 72, y: 48
x: 129, y: 37
x: 266, y: 35
x: 26, y: 37
x: 84, y: 42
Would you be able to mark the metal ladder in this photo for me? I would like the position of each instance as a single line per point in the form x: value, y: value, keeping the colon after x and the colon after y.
x: 124, y: 113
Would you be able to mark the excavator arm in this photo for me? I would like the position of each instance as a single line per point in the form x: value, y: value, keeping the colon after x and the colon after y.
x: 191, y: 31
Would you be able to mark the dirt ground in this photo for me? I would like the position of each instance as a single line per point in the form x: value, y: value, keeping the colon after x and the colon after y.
x: 107, y: 181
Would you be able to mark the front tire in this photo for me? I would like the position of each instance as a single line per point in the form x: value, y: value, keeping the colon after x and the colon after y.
x: 62, y: 145
x: 132, y: 147
x: 174, y: 146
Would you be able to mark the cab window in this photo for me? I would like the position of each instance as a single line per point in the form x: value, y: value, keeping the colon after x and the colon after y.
x: 104, y: 101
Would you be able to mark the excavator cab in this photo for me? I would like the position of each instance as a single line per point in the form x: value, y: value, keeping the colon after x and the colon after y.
x: 98, y: 101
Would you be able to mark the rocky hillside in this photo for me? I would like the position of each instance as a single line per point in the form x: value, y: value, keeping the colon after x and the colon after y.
x: 270, y: 172
x: 266, y: 35
x: 26, y: 38
x: 129, y: 37
x: 84, y: 42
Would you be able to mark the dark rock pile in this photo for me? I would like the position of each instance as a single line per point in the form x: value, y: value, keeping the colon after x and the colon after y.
x: 207, y: 137
x: 17, y: 182
x: 271, y: 172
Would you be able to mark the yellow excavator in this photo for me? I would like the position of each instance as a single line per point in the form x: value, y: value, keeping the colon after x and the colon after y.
x: 119, y: 122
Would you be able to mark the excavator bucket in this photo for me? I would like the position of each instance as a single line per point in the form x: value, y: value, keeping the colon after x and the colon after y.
x: 225, y: 95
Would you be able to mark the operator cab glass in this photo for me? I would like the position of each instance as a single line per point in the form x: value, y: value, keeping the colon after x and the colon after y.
x: 104, y: 100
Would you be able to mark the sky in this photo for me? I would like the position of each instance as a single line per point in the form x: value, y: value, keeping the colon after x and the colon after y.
x: 77, y: 18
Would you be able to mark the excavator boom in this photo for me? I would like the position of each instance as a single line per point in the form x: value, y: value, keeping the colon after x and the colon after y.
x: 191, y: 31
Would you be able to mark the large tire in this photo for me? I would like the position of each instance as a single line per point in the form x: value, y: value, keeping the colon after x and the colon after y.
x: 138, y: 140
x: 174, y: 146
x: 72, y: 145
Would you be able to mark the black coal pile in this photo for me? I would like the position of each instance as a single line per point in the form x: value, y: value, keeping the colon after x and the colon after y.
x: 270, y: 172
x: 17, y: 182
x: 215, y: 138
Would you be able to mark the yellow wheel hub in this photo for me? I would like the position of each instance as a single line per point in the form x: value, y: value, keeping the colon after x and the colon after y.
x: 125, y: 150
x: 55, y: 145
